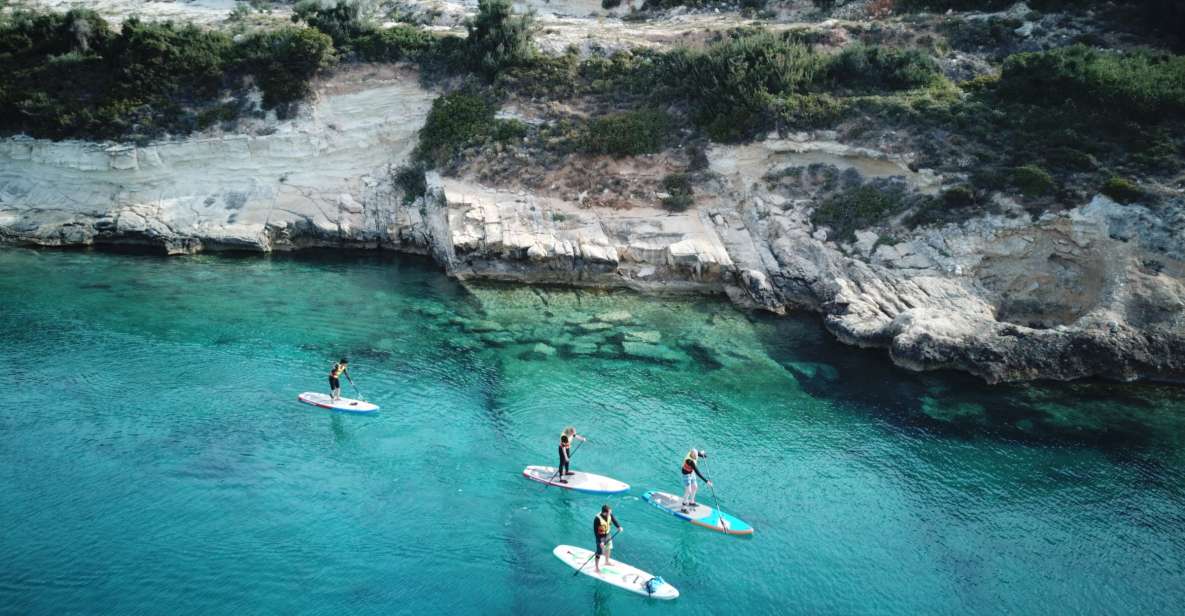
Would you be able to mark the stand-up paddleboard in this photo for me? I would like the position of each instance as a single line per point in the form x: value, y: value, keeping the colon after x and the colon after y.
x: 618, y: 574
x: 581, y: 482
x: 341, y: 405
x: 698, y: 514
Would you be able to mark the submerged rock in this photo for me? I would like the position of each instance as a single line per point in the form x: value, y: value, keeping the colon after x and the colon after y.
x: 542, y: 351
x: 655, y: 352
x: 643, y: 336
x: 813, y: 370
x: 617, y: 316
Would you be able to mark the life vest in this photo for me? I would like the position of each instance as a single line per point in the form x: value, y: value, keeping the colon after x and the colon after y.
x: 337, y: 370
x: 603, y: 524
x: 688, y: 466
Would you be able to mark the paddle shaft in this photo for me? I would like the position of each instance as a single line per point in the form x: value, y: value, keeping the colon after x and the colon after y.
x: 356, y: 390
x: 611, y: 538
x: 716, y: 501
x: 547, y: 484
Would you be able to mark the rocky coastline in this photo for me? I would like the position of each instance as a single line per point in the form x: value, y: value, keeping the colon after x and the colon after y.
x: 1009, y: 294
x: 1098, y: 291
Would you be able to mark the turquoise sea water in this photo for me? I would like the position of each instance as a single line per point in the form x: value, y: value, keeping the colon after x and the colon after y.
x: 153, y: 458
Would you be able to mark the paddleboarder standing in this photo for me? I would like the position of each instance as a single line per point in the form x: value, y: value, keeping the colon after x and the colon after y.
x: 601, y: 523
x: 566, y: 438
x: 690, y: 471
x: 335, y: 373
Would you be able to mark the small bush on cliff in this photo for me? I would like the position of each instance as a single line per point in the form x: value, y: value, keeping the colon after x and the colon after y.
x: 873, y: 69
x: 679, y: 194
x: 400, y: 42
x: 410, y: 178
x: 455, y: 122
x: 626, y: 134
x: 284, y: 61
x: 341, y: 20
x: 460, y: 120
x: 1123, y: 191
x: 858, y: 208
x: 1032, y: 181
x: 731, y: 84
x: 754, y: 81
x: 1140, y: 85
x: 498, y: 39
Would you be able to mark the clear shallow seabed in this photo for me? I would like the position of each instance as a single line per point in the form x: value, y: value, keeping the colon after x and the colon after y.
x: 153, y: 458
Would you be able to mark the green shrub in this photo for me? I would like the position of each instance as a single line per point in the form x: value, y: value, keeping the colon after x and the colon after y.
x: 804, y: 111
x: 400, y: 42
x: 285, y: 60
x: 679, y: 192
x: 610, y: 4
x: 411, y: 179
x: 857, y: 208
x: 753, y: 81
x: 732, y: 84
x: 498, y: 39
x: 70, y: 75
x: 954, y: 204
x: 958, y: 197
x: 1032, y: 180
x: 863, y: 68
x: 506, y: 130
x: 626, y: 134
x: 339, y: 19
x: 1123, y: 191
x: 459, y: 120
x: 1139, y: 85
x: 1068, y: 158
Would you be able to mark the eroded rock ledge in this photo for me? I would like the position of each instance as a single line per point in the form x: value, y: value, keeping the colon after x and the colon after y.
x: 1097, y: 291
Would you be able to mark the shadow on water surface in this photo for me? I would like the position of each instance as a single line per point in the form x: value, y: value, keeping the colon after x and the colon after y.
x: 1117, y: 418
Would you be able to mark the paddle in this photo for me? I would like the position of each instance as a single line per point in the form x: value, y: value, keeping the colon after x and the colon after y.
x: 716, y: 501
x: 356, y: 390
x: 547, y: 484
x: 611, y: 537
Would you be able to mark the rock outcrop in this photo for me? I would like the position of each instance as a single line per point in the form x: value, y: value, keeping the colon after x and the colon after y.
x: 1096, y: 291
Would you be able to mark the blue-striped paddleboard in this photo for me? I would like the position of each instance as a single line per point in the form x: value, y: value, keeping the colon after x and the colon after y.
x: 698, y: 514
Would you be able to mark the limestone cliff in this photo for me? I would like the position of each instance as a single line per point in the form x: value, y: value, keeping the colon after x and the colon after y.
x: 1098, y: 290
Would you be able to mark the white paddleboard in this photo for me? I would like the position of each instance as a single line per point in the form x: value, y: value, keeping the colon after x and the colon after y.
x: 618, y: 574
x: 341, y: 405
x: 581, y: 482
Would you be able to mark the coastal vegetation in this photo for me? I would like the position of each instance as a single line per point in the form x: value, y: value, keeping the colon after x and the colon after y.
x: 1048, y: 126
x: 71, y: 75
x: 459, y: 120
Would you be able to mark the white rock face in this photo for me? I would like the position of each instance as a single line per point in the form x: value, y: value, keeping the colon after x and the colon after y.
x: 321, y: 178
x: 517, y: 236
